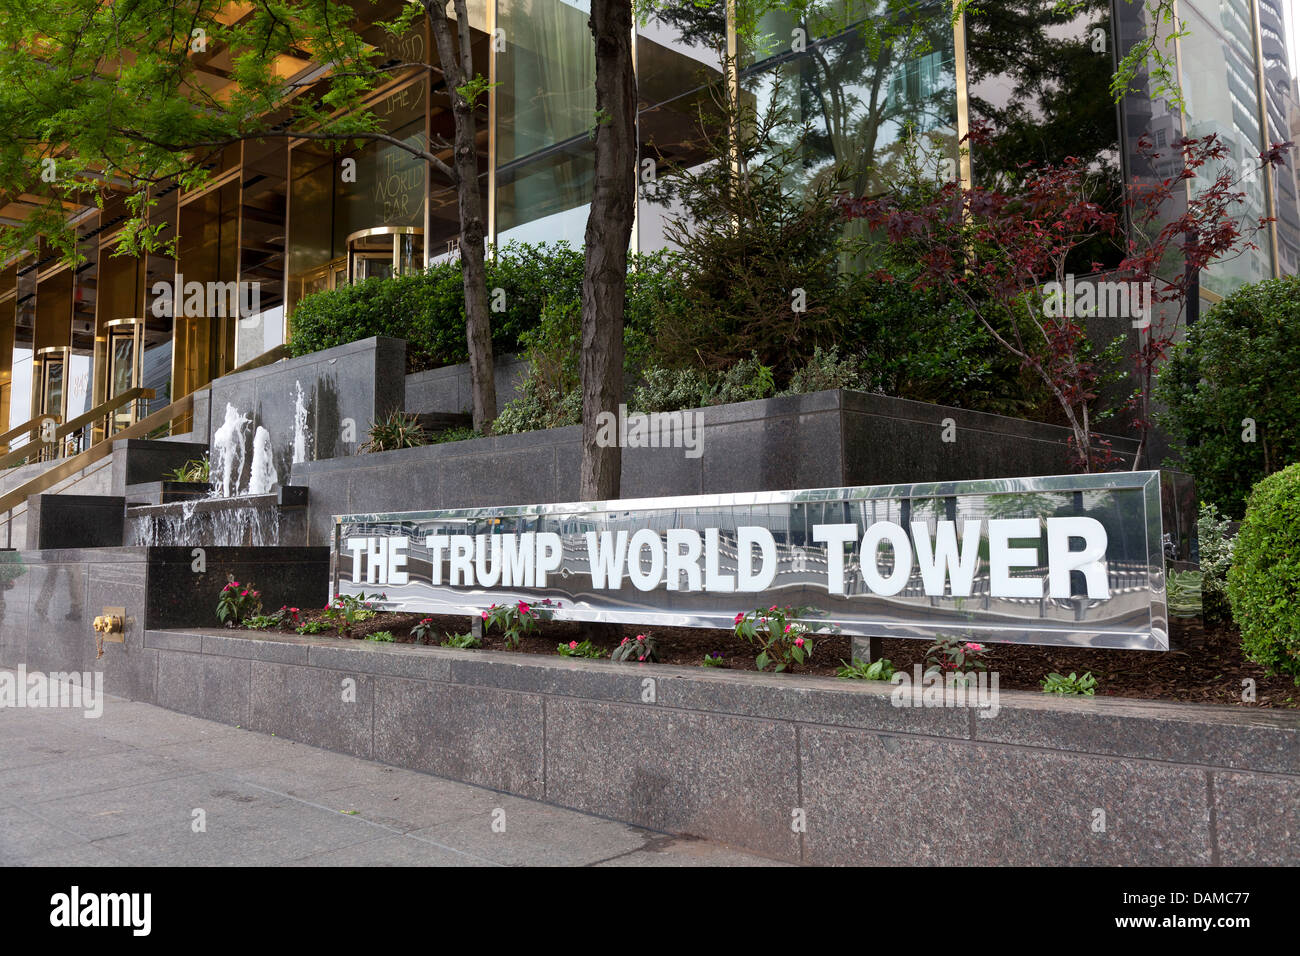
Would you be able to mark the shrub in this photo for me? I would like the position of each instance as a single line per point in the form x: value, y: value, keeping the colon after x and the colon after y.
x: 538, y: 407
x: 1264, y: 580
x: 396, y: 430
x: 1214, y: 544
x: 668, y: 390
x: 381, y: 637
x: 1237, y: 368
x: 826, y: 370
x: 427, y: 309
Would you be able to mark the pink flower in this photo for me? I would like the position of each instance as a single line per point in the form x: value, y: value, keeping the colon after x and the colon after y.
x: 772, y: 608
x: 641, y: 658
x: 798, y: 642
x: 738, y: 618
x: 640, y: 637
x: 485, y: 615
x: 573, y: 645
x: 622, y: 642
x: 243, y: 594
x: 787, y: 628
x: 523, y: 608
x: 974, y: 647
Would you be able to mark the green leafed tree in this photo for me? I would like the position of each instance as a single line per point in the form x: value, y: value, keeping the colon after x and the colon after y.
x: 130, y: 95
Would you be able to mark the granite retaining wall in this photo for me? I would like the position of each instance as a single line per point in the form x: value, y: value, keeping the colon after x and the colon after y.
x: 744, y: 757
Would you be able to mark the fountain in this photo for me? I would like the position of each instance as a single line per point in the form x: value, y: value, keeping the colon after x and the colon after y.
x: 263, y: 479
x: 228, y: 454
x: 301, y: 434
x: 267, y: 514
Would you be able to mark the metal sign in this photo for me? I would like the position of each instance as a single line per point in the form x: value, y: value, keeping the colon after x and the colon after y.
x: 1071, y: 560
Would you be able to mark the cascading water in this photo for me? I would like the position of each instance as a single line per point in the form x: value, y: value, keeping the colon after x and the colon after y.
x: 301, y: 434
x: 228, y: 454
x: 264, y: 478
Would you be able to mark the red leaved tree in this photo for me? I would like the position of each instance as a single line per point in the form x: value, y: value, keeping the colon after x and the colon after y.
x: 997, y: 251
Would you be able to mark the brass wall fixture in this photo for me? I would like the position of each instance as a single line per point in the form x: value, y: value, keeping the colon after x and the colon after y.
x: 109, y: 626
x: 112, y: 622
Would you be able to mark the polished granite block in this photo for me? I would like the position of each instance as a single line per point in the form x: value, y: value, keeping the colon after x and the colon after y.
x: 183, y: 593
x: 324, y: 708
x: 139, y: 461
x: 736, y: 779
x: 325, y: 402
x: 819, y: 440
x: 74, y: 521
x: 876, y: 799
x: 477, y: 735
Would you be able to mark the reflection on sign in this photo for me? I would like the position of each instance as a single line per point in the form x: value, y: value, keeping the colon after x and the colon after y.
x: 1063, y: 560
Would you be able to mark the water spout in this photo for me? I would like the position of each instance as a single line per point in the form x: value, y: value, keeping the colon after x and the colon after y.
x: 228, y: 454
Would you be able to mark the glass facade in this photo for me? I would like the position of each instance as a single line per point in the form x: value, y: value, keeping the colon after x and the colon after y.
x: 296, y: 217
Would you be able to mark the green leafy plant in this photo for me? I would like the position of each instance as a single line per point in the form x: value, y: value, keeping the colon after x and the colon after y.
x: 1232, y: 411
x: 348, y: 609
x: 381, y: 637
x: 861, y: 670
x: 237, y: 602
x: 284, y: 618
x: 1214, y: 544
x: 396, y: 430
x: 317, y: 626
x: 466, y: 641
x: 713, y: 660
x: 643, y: 647
x: 423, y: 631
x: 826, y: 370
x: 579, y: 649
x: 196, y: 471
x: 783, y: 639
x: 516, y: 620
x: 1085, y: 686
x: 952, y: 655
x: 1264, y: 580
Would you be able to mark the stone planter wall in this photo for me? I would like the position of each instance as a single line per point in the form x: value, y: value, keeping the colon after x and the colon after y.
x: 738, y: 756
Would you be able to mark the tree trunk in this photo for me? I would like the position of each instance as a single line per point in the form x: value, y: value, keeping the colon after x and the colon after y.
x: 457, y: 70
x: 609, y: 229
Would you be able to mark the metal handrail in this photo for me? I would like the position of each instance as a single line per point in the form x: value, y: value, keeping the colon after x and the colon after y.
x: 26, y: 428
x: 81, y: 421
x: 97, y: 452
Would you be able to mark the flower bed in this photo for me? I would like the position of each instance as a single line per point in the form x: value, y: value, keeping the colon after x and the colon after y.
x: 1209, y: 668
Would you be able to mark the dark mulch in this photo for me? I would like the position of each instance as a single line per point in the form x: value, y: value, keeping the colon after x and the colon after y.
x: 1208, y: 668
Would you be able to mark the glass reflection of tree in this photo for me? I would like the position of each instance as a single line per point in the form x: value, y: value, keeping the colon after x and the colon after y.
x: 1039, y: 75
x: 867, y: 87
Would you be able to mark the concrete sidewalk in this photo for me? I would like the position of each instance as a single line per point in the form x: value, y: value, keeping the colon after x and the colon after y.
x: 143, y: 786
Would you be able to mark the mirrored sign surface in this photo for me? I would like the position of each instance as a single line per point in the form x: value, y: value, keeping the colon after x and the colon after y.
x: 1069, y: 560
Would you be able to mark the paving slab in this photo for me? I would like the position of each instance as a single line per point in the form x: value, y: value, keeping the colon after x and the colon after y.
x: 144, y: 786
